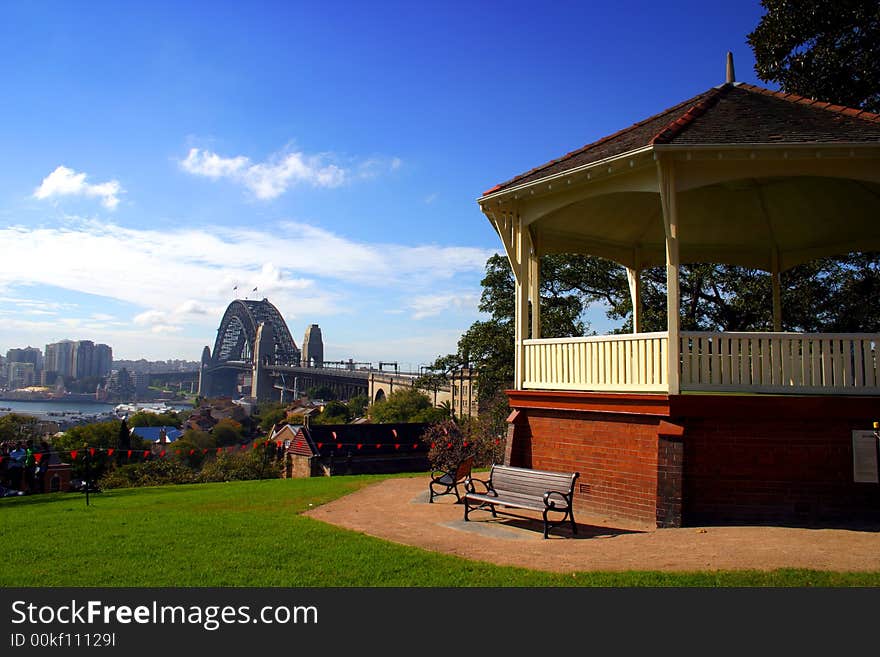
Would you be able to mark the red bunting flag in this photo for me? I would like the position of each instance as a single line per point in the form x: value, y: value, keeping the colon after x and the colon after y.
x: 37, y: 457
x: 320, y: 445
x: 278, y: 444
x: 110, y: 451
x: 464, y: 444
x: 91, y: 451
x: 191, y: 452
x: 338, y: 445
x: 205, y: 451
x: 243, y: 446
x: 359, y: 445
x: 219, y: 449
x: 415, y: 445
x: 378, y: 445
x: 73, y: 454
x: 448, y: 445
x: 433, y: 445
x: 146, y: 453
x: 162, y: 454
x: 128, y: 455
x: 396, y: 445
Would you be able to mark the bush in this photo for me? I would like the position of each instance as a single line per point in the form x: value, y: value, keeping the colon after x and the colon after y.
x: 149, y: 473
x: 450, y: 443
x: 239, y: 466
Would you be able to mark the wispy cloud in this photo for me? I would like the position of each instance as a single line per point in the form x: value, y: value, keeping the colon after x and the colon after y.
x: 272, y: 178
x: 429, y: 305
x: 67, y: 182
x: 309, y: 272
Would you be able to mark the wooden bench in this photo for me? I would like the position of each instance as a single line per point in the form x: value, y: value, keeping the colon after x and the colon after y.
x: 447, y: 482
x: 523, y: 488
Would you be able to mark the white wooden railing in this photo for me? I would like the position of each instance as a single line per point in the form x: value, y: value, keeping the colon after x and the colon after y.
x: 815, y: 363
x: 823, y: 363
x: 623, y: 362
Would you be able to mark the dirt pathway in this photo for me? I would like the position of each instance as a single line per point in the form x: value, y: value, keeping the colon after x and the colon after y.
x: 398, y: 510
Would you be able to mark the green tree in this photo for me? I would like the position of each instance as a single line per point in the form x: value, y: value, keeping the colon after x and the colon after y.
x: 321, y: 392
x: 271, y: 414
x: 334, y: 412
x: 227, y: 432
x: 147, y: 419
x: 357, y: 406
x: 823, y: 49
x: 16, y: 426
x: 406, y: 405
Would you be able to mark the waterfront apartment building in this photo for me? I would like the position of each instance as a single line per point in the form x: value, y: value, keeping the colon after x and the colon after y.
x: 77, y: 359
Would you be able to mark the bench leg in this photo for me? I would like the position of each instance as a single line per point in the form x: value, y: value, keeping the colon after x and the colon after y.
x: 574, y: 527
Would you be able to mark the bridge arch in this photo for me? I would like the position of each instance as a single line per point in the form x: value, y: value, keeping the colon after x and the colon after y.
x: 238, y: 331
x: 380, y: 396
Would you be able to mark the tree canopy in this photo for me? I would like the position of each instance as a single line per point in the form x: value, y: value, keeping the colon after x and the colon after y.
x: 823, y: 49
x: 406, y: 405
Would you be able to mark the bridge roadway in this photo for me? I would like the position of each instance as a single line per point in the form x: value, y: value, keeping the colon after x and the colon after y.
x: 345, y: 382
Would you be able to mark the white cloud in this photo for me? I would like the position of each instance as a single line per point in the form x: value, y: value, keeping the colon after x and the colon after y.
x: 67, y: 182
x: 313, y: 273
x: 429, y: 305
x: 270, y: 179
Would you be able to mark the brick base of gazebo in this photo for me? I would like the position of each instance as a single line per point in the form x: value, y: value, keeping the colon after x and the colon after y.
x: 699, y: 459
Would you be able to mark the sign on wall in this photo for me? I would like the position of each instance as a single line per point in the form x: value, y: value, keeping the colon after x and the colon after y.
x: 865, y: 457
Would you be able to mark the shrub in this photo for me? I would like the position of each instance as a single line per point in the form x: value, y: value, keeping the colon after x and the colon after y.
x: 155, y: 472
x: 452, y: 442
x: 239, y: 466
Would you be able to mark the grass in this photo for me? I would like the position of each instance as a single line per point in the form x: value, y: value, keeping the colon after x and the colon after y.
x: 252, y: 534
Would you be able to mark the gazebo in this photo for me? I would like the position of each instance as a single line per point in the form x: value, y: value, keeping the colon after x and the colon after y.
x: 679, y: 427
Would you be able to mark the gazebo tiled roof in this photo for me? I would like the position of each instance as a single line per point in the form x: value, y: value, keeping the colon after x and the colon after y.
x: 729, y: 114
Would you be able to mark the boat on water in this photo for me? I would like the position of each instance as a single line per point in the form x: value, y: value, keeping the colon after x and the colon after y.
x: 136, y: 407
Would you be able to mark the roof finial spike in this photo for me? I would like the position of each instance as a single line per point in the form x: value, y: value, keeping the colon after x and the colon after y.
x: 731, y: 76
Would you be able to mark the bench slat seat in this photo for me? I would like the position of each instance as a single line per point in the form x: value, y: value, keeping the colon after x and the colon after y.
x: 524, y: 488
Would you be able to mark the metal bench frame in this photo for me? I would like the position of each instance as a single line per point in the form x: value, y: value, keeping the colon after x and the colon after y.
x: 448, y: 481
x: 524, y: 488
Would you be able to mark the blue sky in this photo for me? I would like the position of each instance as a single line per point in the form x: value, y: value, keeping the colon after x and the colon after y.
x: 156, y: 155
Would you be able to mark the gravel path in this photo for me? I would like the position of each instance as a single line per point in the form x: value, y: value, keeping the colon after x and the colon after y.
x: 398, y: 510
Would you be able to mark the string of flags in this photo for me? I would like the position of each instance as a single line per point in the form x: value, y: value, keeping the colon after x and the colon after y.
x: 138, y: 454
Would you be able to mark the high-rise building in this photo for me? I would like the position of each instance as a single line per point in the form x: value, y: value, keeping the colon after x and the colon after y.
x: 30, y: 355
x: 59, y: 357
x: 83, y: 359
x: 103, y: 359
x: 78, y: 359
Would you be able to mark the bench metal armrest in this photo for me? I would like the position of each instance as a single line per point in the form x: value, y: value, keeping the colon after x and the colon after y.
x: 470, y: 488
x: 554, y: 503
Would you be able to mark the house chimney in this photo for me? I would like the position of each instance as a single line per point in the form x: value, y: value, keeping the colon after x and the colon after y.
x: 731, y: 76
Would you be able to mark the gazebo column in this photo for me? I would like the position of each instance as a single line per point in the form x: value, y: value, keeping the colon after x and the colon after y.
x: 666, y: 175
x: 635, y: 293
x: 535, y: 285
x: 521, y: 267
x: 776, y: 286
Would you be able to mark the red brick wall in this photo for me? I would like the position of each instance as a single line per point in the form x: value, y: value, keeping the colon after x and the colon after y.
x: 616, y: 458
x: 700, y: 459
x: 785, y: 469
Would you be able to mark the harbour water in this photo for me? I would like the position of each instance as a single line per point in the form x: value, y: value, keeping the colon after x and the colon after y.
x: 55, y: 410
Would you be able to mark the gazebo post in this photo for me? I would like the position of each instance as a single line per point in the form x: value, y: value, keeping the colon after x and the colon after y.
x: 666, y: 175
x: 521, y: 276
x: 635, y: 293
x: 775, y: 284
x: 535, y: 285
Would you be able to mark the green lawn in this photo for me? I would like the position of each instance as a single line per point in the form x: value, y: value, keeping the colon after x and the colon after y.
x: 251, y: 534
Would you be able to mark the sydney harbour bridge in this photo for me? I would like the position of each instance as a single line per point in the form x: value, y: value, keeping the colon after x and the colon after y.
x: 255, y: 356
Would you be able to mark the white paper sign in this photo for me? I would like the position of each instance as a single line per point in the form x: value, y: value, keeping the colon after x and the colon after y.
x: 865, y: 457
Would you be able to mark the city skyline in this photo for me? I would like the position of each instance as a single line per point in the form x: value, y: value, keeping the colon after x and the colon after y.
x: 164, y: 160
